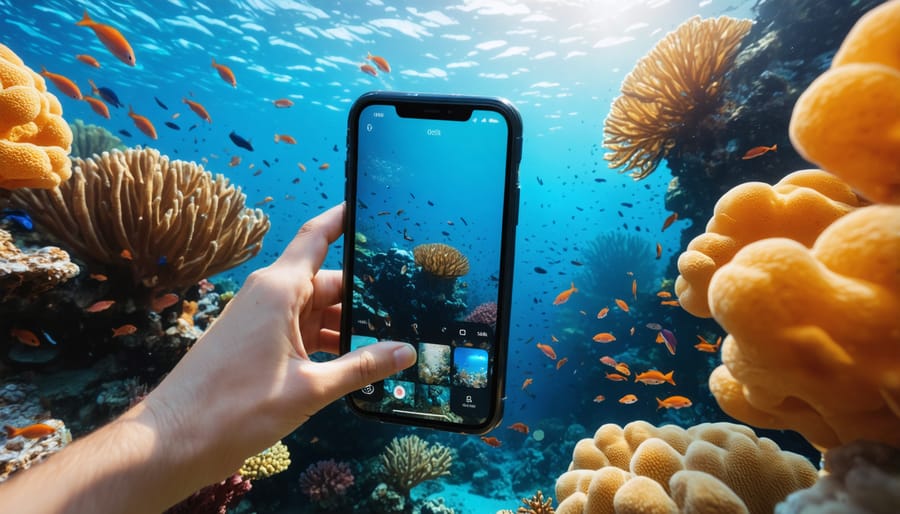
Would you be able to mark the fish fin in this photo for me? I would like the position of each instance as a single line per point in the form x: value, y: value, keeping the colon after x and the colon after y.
x: 11, y: 431
x: 86, y: 20
x: 213, y: 62
x: 669, y: 378
x: 659, y: 404
x: 775, y: 147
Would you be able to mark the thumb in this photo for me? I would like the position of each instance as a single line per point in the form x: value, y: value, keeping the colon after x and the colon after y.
x: 364, y: 366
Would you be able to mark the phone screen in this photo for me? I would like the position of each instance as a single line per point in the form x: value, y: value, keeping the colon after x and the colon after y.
x: 432, y: 223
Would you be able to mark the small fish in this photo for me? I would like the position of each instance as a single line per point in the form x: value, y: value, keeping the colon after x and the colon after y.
x: 99, y: 306
x: 99, y: 277
x: 239, y: 141
x: 669, y: 339
x: 379, y: 61
x: 25, y: 336
x: 654, y: 377
x: 163, y: 302
x: 563, y: 297
x: 368, y: 69
x: 633, y: 291
x: 519, y: 427
x: 97, y: 106
x: 124, y: 330
x: 609, y: 361
x: 125, y: 133
x: 668, y: 223
x: 527, y: 382
x: 603, y: 312
x: 673, y: 402
x: 324, y: 166
x: 63, y: 83
x: 664, y: 294
x: 114, y: 41
x: 604, y: 337
x: 126, y: 254
x: 301, y: 166
x: 106, y: 94
x: 562, y: 361
x: 263, y: 201
x: 623, y: 368
x: 553, y: 338
x: 756, y: 151
x: 142, y: 123
x: 176, y: 115
x: 599, y: 398
x: 172, y: 126
x: 283, y: 103
x: 622, y: 305
x: 491, y: 441
x: 631, y: 331
x: 615, y: 377
x: 658, y: 251
x: 670, y: 303
x: 706, y: 346
x: 540, y: 270
x: 653, y: 326
x: 198, y: 109
x: 548, y: 350
x: 284, y: 138
x: 19, y: 217
x: 88, y: 59
x: 628, y: 399
x: 159, y: 103
x: 225, y: 72
x: 35, y: 431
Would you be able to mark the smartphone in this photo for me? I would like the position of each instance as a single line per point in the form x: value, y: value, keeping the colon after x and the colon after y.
x: 432, y: 198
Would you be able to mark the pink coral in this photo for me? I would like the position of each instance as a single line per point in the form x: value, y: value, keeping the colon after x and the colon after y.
x: 326, y: 482
x: 215, y: 498
x: 485, y: 313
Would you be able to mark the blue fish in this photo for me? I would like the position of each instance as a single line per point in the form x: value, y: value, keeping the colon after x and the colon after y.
x: 106, y: 94
x: 239, y: 141
x: 19, y: 217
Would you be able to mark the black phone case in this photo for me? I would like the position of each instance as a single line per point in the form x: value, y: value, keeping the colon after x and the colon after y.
x: 440, y: 106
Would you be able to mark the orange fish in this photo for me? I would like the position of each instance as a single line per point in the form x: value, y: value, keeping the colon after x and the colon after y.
x: 491, y: 441
x: 198, y: 109
x: 263, y: 201
x: 670, y: 303
x: 99, y: 277
x: 547, y: 349
x: 563, y: 297
x: 225, y: 72
x: 381, y: 62
x: 235, y: 160
x: 599, y: 398
x: 623, y: 368
x: 615, y: 377
x: 562, y: 361
x: 324, y: 166
x: 124, y: 330
x: 622, y: 305
x: 283, y: 103
x: 35, y: 431
x: 658, y: 251
x: 654, y: 377
x: 609, y: 361
x: 111, y: 38
x: 664, y: 294
x: 603, y: 312
x: 284, y: 138
x: 25, y: 337
x: 142, y: 123
x: 756, y: 151
x: 527, y: 382
x: 671, y: 219
x: 519, y: 427
x: 87, y: 59
x: 553, y: 338
x: 126, y: 254
x: 706, y: 346
x: 633, y: 290
x: 100, y: 306
x: 63, y: 83
x: 628, y: 399
x: 368, y: 69
x: 97, y: 106
x: 604, y: 337
x: 163, y: 302
x: 673, y: 402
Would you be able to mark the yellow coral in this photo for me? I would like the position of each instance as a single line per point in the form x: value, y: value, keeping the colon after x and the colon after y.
x: 825, y: 361
x: 34, y: 139
x: 441, y: 260
x: 798, y: 207
x: 271, y: 461
x: 861, y: 95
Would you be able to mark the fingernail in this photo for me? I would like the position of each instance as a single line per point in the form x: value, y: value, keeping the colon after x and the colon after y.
x: 404, y: 356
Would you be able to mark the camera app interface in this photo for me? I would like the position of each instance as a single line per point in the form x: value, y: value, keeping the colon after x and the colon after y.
x: 426, y: 265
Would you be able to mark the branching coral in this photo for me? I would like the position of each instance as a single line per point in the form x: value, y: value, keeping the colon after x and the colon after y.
x: 861, y: 95
x: 798, y: 207
x: 409, y: 461
x: 441, y: 260
x: 90, y: 140
x: 34, y: 139
x: 168, y: 223
x: 271, y: 461
x: 537, y: 505
x: 326, y: 482
x: 642, y: 468
x: 27, y: 274
x: 669, y: 90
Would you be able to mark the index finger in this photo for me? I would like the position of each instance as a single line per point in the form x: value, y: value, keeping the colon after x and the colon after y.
x: 310, y: 245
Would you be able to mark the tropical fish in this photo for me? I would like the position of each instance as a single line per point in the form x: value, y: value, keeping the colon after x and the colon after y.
x: 225, y: 72
x: 198, y: 109
x: 562, y: 361
x: 519, y: 427
x: 599, y: 398
x: 105, y: 93
x: 658, y: 251
x: 19, y: 217
x: 142, y: 123
x: 239, y: 141
x: 628, y: 399
x: 284, y: 138
x: 633, y: 290
x: 603, y: 312
x: 114, y: 41
x: 673, y: 402
x: 622, y: 305
x: 263, y: 201
x: 99, y: 306
x: 126, y: 254
x: 615, y: 377
x: 97, y: 106
x: 124, y: 330
x: 670, y: 303
x: 171, y: 125
x: 324, y: 166
x: 162, y: 302
x: 283, y: 103
x: 609, y: 361
x: 491, y: 441
x: 34, y: 431
x: 379, y: 61
x: 160, y: 103
x: 368, y: 69
x: 706, y: 346
x: 669, y: 339
x: 563, y: 297
x: 654, y: 377
x: 547, y: 349
x: 553, y: 338
x: 63, y: 83
x: 527, y: 382
x: 671, y: 219
x: 623, y: 368
x: 25, y: 336
x: 125, y: 133
x: 756, y: 151
x: 99, y: 277
x: 604, y: 337
x: 87, y: 59
x: 664, y: 294
x: 301, y: 166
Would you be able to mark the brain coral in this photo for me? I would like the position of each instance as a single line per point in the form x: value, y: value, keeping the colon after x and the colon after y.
x: 271, y: 461
x: 34, y: 139
x: 667, y: 469
x: 861, y: 95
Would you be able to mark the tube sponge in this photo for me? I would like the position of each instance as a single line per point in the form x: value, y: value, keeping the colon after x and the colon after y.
x: 798, y: 207
x: 34, y: 139
x: 861, y: 95
x: 825, y: 361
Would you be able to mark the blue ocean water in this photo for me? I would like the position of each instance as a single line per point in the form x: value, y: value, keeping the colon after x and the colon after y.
x: 561, y: 63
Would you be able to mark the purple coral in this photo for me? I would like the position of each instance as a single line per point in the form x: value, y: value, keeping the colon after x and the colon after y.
x: 485, y: 313
x: 215, y: 498
x: 326, y: 482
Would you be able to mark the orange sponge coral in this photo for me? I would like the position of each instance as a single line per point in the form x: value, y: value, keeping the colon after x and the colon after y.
x: 34, y: 139
x: 798, y: 207
x: 860, y: 94
x: 814, y: 337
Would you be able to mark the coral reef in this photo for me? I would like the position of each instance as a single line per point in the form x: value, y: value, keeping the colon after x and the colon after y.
x: 271, y: 461
x: 860, y: 94
x: 409, y: 461
x: 326, y: 483
x: 34, y: 139
x: 20, y: 406
x: 798, y: 207
x: 536, y: 505
x: 29, y: 274
x: 385, y: 500
x: 485, y: 313
x: 167, y: 223
x: 433, y: 507
x: 642, y: 468
x: 441, y: 260
x: 214, y: 499
x: 90, y: 140
x: 608, y: 259
x: 669, y: 91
